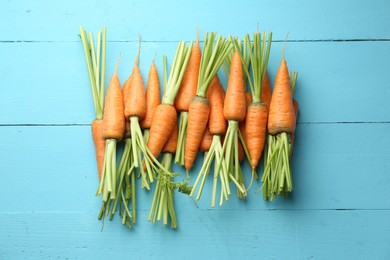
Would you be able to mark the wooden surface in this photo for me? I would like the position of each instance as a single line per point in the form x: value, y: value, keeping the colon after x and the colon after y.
x: 340, y: 208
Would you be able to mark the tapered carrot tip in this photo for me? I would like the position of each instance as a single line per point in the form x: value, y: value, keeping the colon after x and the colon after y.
x: 281, y: 113
x: 100, y: 144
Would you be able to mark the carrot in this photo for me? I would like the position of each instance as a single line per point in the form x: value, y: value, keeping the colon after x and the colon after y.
x: 113, y: 120
x: 125, y: 170
x: 162, y: 204
x: 135, y: 110
x: 257, y: 112
x: 198, y: 117
x: 184, y: 96
x: 152, y: 96
x: 242, y: 126
x: 277, y: 177
x: 235, y: 102
x: 206, y: 141
x: 213, y: 151
x: 165, y: 116
x: 96, y: 64
x: 255, y: 129
x: 170, y: 145
x: 198, y: 113
x: 234, y: 111
x: 163, y: 122
x: 189, y: 82
x: 281, y: 112
x: 266, y: 92
x: 125, y: 92
x: 136, y: 101
x: 216, y: 96
x: 113, y: 130
x: 100, y: 143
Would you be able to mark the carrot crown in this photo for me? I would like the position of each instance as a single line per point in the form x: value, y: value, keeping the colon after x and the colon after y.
x: 179, y: 65
x: 214, y: 54
x: 96, y: 64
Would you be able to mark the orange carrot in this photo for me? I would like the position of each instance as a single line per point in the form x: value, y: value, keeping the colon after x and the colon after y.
x: 199, y: 110
x: 257, y: 112
x: 152, y: 96
x: 136, y: 101
x: 170, y: 145
x: 206, y: 141
x: 163, y: 122
x: 242, y: 126
x: 113, y: 130
x: 235, y: 103
x: 114, y: 120
x: 235, y: 111
x: 189, y: 82
x: 96, y: 70
x: 184, y: 96
x: 125, y: 91
x: 266, y: 91
x: 281, y: 113
x: 198, y: 115
x: 255, y: 131
x: 100, y: 143
x: 216, y: 95
x: 277, y: 177
x: 165, y: 115
x: 212, y: 147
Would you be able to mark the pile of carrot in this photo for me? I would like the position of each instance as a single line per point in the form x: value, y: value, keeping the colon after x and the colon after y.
x: 197, y: 114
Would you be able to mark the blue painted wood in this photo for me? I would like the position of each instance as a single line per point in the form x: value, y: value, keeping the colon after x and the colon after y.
x: 339, y: 208
x: 203, y: 234
x: 338, y: 81
x: 335, y: 166
x: 171, y: 20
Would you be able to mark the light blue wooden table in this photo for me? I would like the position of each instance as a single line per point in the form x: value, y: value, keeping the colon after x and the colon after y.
x: 340, y: 208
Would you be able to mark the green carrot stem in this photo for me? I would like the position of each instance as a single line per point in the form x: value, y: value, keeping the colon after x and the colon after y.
x: 180, y: 151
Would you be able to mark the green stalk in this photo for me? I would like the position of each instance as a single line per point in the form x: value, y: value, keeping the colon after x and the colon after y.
x: 212, y: 58
x: 180, y: 61
x: 96, y: 67
x: 103, y: 70
x: 179, y: 158
x: 230, y: 147
x: 108, y: 182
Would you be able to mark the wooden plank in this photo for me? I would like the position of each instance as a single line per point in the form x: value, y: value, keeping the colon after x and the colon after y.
x: 335, y: 166
x: 47, y: 83
x: 169, y: 20
x: 203, y: 234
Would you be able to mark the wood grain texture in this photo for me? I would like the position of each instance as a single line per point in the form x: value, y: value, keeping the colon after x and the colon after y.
x: 203, y: 234
x: 43, y: 85
x: 173, y: 21
x: 339, y: 208
x: 58, y: 170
